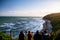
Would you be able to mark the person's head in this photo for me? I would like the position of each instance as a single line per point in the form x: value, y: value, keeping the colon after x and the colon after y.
x: 21, y: 32
x: 29, y: 32
x: 37, y: 32
x: 45, y: 31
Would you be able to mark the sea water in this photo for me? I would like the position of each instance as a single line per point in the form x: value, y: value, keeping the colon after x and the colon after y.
x: 17, y: 24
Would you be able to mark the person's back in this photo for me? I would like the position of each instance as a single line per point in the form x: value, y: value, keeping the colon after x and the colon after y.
x: 45, y: 36
x: 29, y: 35
x: 37, y: 36
x: 41, y: 36
x: 0, y: 37
x: 21, y: 36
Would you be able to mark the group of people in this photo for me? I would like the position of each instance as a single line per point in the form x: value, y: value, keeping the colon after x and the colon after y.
x: 37, y: 36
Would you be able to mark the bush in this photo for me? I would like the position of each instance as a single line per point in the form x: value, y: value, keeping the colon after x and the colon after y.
x: 4, y: 36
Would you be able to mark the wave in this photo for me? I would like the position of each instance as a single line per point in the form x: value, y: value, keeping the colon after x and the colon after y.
x: 32, y: 24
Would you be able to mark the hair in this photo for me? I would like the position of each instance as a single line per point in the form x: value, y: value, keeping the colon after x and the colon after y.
x: 21, y: 32
x: 37, y: 32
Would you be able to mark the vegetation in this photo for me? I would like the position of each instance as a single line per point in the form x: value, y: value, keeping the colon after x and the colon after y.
x: 55, y: 21
x: 3, y: 36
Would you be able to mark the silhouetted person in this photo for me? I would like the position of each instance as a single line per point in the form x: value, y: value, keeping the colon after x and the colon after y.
x: 0, y: 37
x: 37, y: 36
x: 21, y: 36
x: 45, y: 35
x: 58, y: 37
x: 25, y: 33
x: 29, y: 35
x: 41, y: 35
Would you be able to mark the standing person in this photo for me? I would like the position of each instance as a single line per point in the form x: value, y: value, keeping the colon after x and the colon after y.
x: 21, y: 35
x: 36, y: 36
x: 25, y: 33
x: 41, y: 36
x: 1, y: 38
x: 29, y: 35
x: 45, y: 35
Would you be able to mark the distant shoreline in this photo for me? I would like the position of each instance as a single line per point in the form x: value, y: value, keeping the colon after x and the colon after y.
x: 23, y: 16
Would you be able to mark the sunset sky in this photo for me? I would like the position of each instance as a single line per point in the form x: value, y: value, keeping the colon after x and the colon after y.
x: 28, y: 7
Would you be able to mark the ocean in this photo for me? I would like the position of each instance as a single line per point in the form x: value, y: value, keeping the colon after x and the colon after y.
x: 17, y: 24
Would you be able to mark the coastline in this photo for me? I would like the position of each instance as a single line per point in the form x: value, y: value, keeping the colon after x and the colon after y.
x: 47, y: 26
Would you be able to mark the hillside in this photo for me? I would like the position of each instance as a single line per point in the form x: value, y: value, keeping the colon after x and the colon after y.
x: 4, y: 36
x: 55, y: 21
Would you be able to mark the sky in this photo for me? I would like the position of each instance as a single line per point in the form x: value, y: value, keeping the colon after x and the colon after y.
x: 28, y: 7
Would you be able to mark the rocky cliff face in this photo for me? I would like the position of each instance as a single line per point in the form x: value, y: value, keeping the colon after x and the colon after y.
x: 48, y: 26
x: 55, y: 20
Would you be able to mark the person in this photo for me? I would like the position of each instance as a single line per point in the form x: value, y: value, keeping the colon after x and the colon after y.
x: 29, y: 35
x: 0, y: 37
x: 21, y: 36
x: 25, y: 33
x: 41, y: 35
x: 36, y: 36
x: 45, y: 35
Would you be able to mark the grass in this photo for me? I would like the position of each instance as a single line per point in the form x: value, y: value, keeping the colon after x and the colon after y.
x: 4, y: 36
x: 55, y: 21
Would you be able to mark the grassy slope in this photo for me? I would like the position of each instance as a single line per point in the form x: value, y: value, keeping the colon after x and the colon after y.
x: 4, y: 36
x: 55, y: 21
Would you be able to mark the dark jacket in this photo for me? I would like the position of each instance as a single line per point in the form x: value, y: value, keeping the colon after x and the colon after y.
x: 37, y: 36
x: 29, y: 36
x: 21, y: 36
